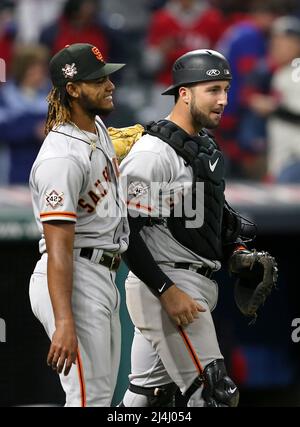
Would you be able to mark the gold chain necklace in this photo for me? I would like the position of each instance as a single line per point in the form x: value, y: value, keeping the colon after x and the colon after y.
x: 92, y: 142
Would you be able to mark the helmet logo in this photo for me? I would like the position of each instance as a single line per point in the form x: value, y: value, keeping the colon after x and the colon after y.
x: 213, y: 72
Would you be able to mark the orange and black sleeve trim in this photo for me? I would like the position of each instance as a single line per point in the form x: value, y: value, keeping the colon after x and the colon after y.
x: 68, y: 216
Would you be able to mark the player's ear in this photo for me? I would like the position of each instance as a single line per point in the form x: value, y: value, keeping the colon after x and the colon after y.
x: 72, y: 90
x: 184, y: 94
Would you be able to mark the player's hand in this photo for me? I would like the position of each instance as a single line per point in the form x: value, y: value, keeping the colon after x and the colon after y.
x: 63, y: 349
x: 181, y: 308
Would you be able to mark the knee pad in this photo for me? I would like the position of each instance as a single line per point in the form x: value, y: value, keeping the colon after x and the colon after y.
x: 218, y: 389
x: 162, y: 396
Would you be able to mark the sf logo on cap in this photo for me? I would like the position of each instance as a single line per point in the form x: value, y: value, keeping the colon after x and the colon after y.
x: 97, y: 53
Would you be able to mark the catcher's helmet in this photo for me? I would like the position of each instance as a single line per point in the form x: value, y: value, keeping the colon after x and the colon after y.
x: 200, y: 65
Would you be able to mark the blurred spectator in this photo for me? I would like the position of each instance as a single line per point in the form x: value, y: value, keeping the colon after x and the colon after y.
x: 271, y: 122
x: 125, y: 24
x: 44, y: 13
x: 7, y: 30
x: 77, y: 24
x: 244, y: 44
x: 23, y: 108
x: 180, y: 26
x: 7, y: 35
x: 283, y: 129
x: 251, y: 128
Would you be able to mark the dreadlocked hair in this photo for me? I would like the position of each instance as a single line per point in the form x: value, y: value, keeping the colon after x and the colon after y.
x: 58, y: 109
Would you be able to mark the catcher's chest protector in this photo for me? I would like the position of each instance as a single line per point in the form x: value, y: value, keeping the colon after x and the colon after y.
x: 207, y: 163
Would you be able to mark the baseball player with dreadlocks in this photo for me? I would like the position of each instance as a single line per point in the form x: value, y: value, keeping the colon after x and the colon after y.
x: 173, y: 253
x: 81, y: 214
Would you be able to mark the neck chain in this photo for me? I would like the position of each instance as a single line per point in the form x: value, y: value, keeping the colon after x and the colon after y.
x: 92, y: 141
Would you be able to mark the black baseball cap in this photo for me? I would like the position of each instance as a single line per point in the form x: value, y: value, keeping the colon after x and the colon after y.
x: 79, y: 61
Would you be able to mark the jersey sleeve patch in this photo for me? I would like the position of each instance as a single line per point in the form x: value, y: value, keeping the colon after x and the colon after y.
x: 54, y: 199
x: 139, y: 197
x: 138, y: 189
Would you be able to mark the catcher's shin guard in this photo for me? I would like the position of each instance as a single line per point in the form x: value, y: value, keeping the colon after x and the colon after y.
x: 162, y: 396
x: 219, y: 390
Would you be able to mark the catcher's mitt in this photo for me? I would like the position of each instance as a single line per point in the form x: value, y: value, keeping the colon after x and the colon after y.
x: 124, y: 138
x: 256, y: 277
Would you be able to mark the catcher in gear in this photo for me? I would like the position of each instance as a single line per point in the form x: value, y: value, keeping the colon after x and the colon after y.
x: 170, y: 293
x: 255, y: 271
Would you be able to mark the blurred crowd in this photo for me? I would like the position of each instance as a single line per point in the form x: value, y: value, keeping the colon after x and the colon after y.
x: 260, y: 130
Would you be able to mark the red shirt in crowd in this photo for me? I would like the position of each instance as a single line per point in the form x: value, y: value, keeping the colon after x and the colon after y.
x: 177, y: 37
x: 69, y: 34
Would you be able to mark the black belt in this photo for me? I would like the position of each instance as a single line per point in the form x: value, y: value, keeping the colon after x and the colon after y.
x: 108, y: 259
x: 153, y: 391
x: 204, y: 271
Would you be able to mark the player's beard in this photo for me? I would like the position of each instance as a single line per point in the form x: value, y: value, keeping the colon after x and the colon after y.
x: 201, y: 120
x: 92, y: 108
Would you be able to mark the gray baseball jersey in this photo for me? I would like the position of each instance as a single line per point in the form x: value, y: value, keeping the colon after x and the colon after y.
x: 72, y: 181
x: 153, y: 172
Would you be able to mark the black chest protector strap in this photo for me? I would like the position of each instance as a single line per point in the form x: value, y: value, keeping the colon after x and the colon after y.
x: 186, y: 146
x: 206, y: 160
